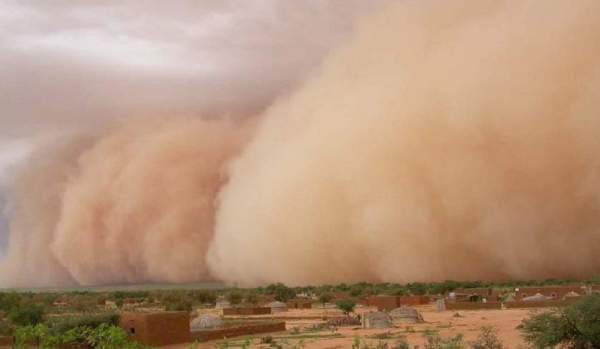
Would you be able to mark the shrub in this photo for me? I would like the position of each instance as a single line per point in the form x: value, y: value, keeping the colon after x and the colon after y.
x: 252, y: 298
x: 61, y: 325
x: 9, y: 301
x: 434, y: 341
x: 401, y: 343
x: 26, y: 315
x: 102, y: 337
x: 179, y: 305
x: 234, y: 297
x: 487, y: 339
x: 205, y: 296
x: 576, y: 326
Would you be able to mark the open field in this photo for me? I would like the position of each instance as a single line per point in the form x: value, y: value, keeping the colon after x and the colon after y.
x: 300, y: 324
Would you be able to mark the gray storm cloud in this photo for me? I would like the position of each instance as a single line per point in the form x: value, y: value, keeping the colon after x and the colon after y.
x: 442, y: 140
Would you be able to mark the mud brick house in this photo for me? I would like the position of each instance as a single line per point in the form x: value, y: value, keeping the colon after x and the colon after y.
x: 376, y: 319
x: 560, y: 292
x: 388, y: 303
x: 300, y: 303
x: 475, y: 295
x: 157, y: 329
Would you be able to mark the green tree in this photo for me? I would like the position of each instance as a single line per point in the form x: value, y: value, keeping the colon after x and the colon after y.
x: 576, y: 326
x: 347, y: 306
x: 325, y: 297
x: 281, y: 292
x: 234, y: 297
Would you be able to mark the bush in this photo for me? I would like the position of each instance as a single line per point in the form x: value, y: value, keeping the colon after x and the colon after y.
x: 61, y: 325
x: 102, y: 337
x: 9, y: 301
x: 487, y: 339
x: 26, y: 315
x: 204, y: 296
x: 576, y: 326
x: 6, y: 329
x: 234, y: 297
x: 252, y: 298
x: 179, y: 305
x: 434, y: 341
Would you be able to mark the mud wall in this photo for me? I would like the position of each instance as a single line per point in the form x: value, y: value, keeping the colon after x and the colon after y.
x: 209, y: 335
x: 472, y: 305
x: 539, y: 304
x: 247, y: 311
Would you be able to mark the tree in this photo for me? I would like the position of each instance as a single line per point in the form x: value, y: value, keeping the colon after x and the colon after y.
x: 252, y: 298
x: 234, y: 297
x: 325, y: 297
x: 576, y: 326
x: 9, y: 301
x: 282, y: 292
x: 347, y: 306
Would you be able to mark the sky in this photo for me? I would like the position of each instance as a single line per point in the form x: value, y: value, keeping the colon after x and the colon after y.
x: 68, y: 65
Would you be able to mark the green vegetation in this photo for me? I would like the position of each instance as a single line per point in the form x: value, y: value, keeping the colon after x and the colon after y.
x: 281, y: 292
x: 27, y: 314
x: 435, y: 341
x: 347, y: 306
x: 251, y: 298
x: 58, y: 315
x: 575, y: 327
x: 325, y: 297
x: 234, y: 297
x: 102, y: 337
x: 63, y: 324
x: 487, y: 339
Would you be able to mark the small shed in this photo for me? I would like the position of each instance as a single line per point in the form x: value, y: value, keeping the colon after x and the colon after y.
x: 157, y: 329
x: 277, y: 307
x: 406, y: 315
x: 378, y: 319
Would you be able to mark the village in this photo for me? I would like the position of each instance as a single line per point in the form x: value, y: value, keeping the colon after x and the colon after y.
x: 287, y: 318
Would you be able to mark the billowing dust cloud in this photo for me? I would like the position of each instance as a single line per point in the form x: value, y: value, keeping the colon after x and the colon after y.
x: 137, y: 204
x: 446, y: 140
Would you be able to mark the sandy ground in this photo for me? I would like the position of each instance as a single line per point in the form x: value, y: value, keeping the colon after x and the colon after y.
x: 299, y: 323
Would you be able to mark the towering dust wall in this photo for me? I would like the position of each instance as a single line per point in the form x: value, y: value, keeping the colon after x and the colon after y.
x: 445, y: 140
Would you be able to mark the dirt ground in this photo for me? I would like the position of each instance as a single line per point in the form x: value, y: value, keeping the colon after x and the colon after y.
x: 299, y: 324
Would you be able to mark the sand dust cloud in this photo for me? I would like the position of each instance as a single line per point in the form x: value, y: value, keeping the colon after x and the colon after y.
x: 444, y: 140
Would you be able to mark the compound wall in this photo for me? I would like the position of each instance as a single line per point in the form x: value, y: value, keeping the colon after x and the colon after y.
x: 237, y: 331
